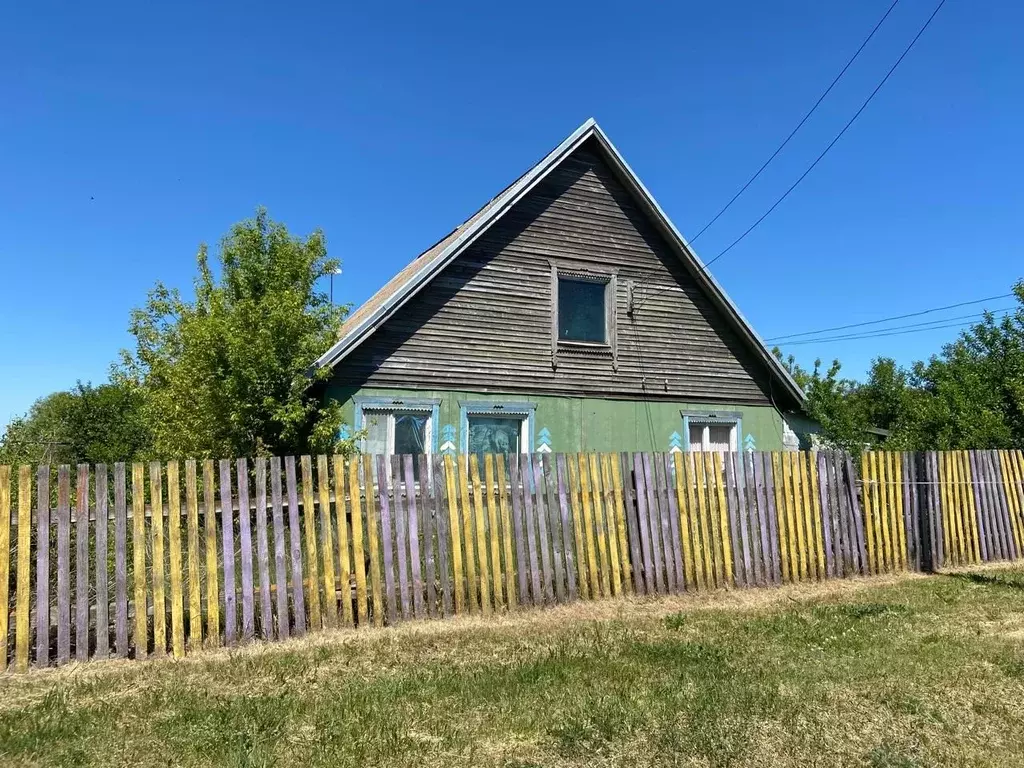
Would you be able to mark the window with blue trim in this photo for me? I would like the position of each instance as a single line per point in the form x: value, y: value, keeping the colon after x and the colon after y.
x: 397, y: 426
x: 497, y: 427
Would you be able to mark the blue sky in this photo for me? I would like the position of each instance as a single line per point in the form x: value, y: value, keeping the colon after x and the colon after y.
x: 130, y: 133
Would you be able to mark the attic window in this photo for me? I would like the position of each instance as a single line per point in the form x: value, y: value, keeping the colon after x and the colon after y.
x: 583, y: 311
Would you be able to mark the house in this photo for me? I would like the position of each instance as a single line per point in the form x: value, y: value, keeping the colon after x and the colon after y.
x: 567, y: 314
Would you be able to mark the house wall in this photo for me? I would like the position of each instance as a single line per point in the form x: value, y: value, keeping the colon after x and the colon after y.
x: 584, y: 424
x: 485, y: 323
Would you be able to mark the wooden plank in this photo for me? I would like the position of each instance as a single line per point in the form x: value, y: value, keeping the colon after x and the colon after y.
x: 174, y: 549
x: 805, y: 511
x: 23, y: 594
x: 358, y: 547
x: 195, y: 599
x: 701, y: 485
x: 373, y: 540
x: 262, y: 552
x: 814, y: 489
x: 402, y: 536
x: 587, y: 531
x: 824, y: 499
x: 989, y: 537
x: 579, y: 532
x: 543, y: 536
x: 344, y: 559
x: 138, y: 564
x: 689, y: 579
x: 963, y: 550
x: 857, y: 515
x: 655, y: 523
x: 280, y: 567
x: 693, y: 514
x: 81, y: 558
x: 867, y: 476
x: 895, y: 468
x: 492, y: 517
x: 101, y: 551
x: 427, y: 511
x: 988, y: 501
x: 981, y: 507
x: 295, y: 535
x: 774, y: 465
x: 882, y: 507
x: 156, y: 522
x: 624, y: 469
x: 1015, y: 467
x: 451, y: 486
x: 840, y: 516
x: 227, y: 537
x: 467, y: 533
x: 659, y: 493
x: 936, y: 494
x: 312, y: 553
x: 212, y: 571
x: 759, y: 522
x: 507, y: 533
x: 791, y: 478
x: 945, y: 486
x: 723, y: 524
x: 1006, y: 475
x: 327, y: 551
x: 554, y: 523
x: 972, y: 502
x: 519, y: 529
x: 648, y: 525
x: 5, y: 562
x: 1000, y: 506
x: 42, y: 566
x: 600, y: 524
x: 613, y: 501
x: 618, y: 495
x: 904, y: 477
x: 416, y: 576
x: 387, y: 539
x: 750, y: 516
x: 766, y: 487
x: 743, y: 567
x: 245, y: 550
x: 567, y: 531
x: 526, y: 475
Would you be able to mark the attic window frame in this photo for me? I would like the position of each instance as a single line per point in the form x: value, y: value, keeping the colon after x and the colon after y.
x: 609, y: 347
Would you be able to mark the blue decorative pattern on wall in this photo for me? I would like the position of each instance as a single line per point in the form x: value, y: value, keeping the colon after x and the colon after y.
x: 675, y: 443
x: 544, y: 441
x: 345, y: 432
x: 748, y: 443
x: 448, y: 439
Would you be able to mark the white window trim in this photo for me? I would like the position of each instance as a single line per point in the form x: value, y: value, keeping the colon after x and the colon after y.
x: 706, y: 420
x: 524, y: 411
x: 369, y: 408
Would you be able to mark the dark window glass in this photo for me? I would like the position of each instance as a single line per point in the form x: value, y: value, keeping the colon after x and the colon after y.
x: 410, y: 432
x: 494, y: 434
x: 581, y: 310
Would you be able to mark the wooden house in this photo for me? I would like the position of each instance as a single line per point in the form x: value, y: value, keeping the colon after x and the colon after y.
x: 567, y: 314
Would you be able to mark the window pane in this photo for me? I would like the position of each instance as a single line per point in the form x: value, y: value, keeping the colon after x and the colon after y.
x: 376, y: 424
x: 696, y: 437
x: 494, y: 434
x: 720, y: 437
x: 581, y: 310
x: 411, y: 432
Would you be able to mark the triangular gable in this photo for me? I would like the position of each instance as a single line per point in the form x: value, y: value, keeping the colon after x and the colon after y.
x: 415, y: 276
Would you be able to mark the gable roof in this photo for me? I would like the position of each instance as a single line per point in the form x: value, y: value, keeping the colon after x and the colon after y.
x: 418, y: 273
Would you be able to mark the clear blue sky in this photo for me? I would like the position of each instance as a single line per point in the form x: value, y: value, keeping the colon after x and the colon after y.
x: 130, y: 133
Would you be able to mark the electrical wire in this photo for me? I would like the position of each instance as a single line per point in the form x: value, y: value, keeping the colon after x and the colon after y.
x: 832, y: 143
x: 799, y: 125
x: 894, y: 317
x: 879, y: 334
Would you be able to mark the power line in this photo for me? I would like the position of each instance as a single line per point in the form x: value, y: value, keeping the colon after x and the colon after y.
x: 799, y: 125
x: 832, y: 143
x: 879, y: 334
x: 888, y: 319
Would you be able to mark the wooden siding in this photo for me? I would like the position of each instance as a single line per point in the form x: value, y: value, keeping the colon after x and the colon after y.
x: 485, y: 322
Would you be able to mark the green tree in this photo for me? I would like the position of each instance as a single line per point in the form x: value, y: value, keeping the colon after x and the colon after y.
x: 230, y: 373
x: 89, y: 424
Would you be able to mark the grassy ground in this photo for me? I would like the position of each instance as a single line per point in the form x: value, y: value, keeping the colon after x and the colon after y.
x: 901, y: 672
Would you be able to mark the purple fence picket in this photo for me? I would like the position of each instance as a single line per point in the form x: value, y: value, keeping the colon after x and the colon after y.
x: 673, y: 518
x: 245, y: 545
x: 82, y: 564
x: 228, y: 552
x: 518, y: 525
x: 263, y: 551
x: 43, y: 566
x: 102, y: 595
x: 526, y: 476
x: 427, y: 513
x: 402, y: 533
x: 565, y: 512
x: 387, y: 538
x: 280, y: 568
x: 629, y: 497
x: 295, y: 533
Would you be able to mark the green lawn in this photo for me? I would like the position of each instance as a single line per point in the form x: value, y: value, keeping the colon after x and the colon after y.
x: 906, y: 672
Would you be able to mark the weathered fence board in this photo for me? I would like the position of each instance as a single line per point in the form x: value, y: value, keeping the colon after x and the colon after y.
x: 417, y: 537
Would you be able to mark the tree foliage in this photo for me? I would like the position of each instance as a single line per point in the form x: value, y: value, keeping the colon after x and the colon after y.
x: 229, y: 373
x: 970, y: 395
x: 87, y: 424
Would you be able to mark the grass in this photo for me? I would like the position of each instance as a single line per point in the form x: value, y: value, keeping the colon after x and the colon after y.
x: 886, y: 673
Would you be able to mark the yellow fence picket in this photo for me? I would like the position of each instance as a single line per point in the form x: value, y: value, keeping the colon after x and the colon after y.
x: 689, y: 576
x: 467, y: 532
x: 454, y: 528
x: 586, y: 583
x: 589, y: 536
x: 373, y: 544
x: 5, y: 562
x: 506, y: 529
x: 611, y: 512
x: 195, y: 604
x: 174, y: 544
x: 21, y: 623
x: 495, y: 538
x: 212, y: 574
x: 481, y: 535
x: 358, y: 550
x: 344, y: 561
x: 139, y: 558
x: 323, y: 487
x: 600, y: 528
x: 312, y: 575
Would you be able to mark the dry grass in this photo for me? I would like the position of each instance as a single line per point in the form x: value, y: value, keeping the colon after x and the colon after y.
x: 902, y: 671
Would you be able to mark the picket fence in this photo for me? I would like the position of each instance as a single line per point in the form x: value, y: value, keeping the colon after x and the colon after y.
x: 220, y: 554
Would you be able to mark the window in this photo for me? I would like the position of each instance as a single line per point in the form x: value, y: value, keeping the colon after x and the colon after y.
x: 582, y: 310
x: 716, y: 432
x: 497, y: 427
x: 397, y: 427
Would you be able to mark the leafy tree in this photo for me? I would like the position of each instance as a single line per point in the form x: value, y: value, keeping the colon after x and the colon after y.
x: 229, y: 373
x: 90, y: 424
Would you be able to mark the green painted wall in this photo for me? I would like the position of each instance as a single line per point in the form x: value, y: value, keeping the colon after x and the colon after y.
x: 590, y: 424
